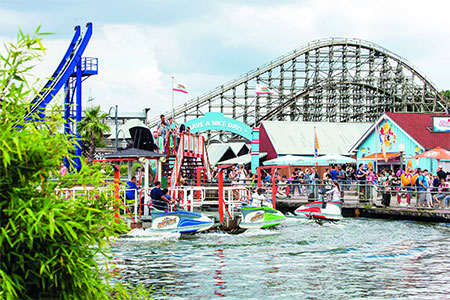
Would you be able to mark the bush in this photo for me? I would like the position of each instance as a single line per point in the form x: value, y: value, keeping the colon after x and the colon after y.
x: 49, y: 245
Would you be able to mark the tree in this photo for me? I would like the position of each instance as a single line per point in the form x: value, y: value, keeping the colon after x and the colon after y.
x: 49, y: 244
x: 91, y: 128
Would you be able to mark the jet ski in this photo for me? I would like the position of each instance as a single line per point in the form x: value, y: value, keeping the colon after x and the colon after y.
x: 260, y: 217
x: 321, y: 210
x: 179, y: 221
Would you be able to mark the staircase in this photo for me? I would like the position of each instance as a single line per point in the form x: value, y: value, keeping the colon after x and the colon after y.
x: 191, y: 153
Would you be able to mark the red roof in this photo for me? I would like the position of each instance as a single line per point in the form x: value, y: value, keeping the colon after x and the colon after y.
x: 420, y: 128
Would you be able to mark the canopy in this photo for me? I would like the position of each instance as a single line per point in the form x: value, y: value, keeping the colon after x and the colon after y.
x: 436, y: 153
x: 337, y: 159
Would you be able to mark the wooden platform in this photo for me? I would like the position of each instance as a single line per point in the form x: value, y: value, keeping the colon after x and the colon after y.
x: 353, y: 207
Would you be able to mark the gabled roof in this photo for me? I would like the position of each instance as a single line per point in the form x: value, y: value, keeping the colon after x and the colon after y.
x: 237, y: 147
x: 420, y: 127
x: 297, y: 138
x: 217, y: 151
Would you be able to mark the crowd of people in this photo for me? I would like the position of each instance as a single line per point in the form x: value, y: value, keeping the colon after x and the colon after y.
x: 167, y: 135
x: 431, y: 189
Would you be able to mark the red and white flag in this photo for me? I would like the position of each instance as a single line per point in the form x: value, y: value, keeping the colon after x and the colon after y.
x: 179, y: 88
x: 263, y: 90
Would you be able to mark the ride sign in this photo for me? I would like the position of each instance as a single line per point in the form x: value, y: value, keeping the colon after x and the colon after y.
x: 217, y: 121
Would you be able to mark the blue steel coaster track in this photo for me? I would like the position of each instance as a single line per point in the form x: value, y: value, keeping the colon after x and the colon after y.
x: 62, y: 73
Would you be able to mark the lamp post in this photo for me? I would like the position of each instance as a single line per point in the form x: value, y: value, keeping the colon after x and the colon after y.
x: 123, y: 144
x: 401, y: 149
x: 115, y: 120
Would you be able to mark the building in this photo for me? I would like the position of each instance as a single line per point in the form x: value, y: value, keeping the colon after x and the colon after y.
x: 278, y: 138
x: 404, y: 135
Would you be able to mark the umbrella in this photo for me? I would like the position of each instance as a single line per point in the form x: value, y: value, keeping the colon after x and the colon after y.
x: 436, y: 153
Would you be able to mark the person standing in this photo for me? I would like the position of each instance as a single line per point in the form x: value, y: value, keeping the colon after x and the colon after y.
x: 361, y: 177
x: 386, y: 193
x: 423, y: 186
x: 342, y: 178
x: 334, y: 173
x: 441, y: 174
x: 63, y: 170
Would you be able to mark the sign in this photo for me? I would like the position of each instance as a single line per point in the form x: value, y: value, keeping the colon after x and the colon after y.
x: 441, y: 124
x: 217, y: 121
x: 388, y: 136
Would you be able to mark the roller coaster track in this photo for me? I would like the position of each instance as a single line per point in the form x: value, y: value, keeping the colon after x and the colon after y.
x: 336, y: 79
x: 62, y: 73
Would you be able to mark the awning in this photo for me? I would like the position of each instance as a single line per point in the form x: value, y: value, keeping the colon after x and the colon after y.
x: 379, y: 156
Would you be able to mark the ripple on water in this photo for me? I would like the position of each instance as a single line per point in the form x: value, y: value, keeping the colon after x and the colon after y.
x: 355, y: 258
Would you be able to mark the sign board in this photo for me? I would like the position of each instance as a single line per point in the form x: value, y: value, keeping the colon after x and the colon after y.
x: 217, y: 121
x: 441, y: 124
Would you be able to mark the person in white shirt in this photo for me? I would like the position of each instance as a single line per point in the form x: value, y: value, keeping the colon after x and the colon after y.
x: 335, y: 191
x: 258, y: 198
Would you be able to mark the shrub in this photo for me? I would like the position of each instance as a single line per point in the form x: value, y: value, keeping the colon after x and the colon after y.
x: 49, y: 245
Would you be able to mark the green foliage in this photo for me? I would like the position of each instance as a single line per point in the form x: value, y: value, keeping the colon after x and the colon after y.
x: 49, y: 244
x: 446, y: 94
x: 91, y: 129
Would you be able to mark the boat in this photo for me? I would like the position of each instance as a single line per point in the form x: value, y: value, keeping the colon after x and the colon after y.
x: 179, y: 221
x: 260, y: 217
x: 321, y: 210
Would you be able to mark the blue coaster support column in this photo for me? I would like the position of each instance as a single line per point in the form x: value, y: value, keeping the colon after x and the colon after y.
x: 79, y: 110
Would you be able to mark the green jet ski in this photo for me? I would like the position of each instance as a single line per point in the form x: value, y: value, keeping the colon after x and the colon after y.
x: 260, y: 217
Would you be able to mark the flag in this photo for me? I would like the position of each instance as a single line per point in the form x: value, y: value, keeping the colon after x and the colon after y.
x: 263, y: 90
x: 179, y: 88
x: 383, y: 149
x: 316, y: 144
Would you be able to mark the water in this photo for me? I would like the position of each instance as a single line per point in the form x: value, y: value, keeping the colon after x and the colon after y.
x: 356, y: 258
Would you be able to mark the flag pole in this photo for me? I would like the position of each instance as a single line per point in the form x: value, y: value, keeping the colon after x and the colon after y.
x: 173, y: 109
x: 316, y: 154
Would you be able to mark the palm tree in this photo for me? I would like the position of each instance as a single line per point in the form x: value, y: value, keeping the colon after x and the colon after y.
x: 91, y: 128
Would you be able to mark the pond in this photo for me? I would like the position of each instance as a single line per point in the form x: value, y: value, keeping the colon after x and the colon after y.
x: 355, y: 258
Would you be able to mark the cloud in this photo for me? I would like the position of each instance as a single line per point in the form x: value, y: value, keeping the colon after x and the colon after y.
x: 207, y: 47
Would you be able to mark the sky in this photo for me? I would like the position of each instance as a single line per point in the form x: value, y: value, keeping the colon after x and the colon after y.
x: 141, y: 44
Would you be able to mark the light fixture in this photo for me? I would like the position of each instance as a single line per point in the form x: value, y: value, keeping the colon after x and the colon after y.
x: 124, y: 144
x: 401, y: 148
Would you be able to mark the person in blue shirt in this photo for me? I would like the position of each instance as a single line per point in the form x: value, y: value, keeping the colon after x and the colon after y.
x: 159, y: 200
x: 423, y: 187
x: 334, y: 173
x: 131, y: 189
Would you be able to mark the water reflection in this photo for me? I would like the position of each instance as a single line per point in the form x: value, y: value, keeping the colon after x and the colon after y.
x: 357, y: 258
x: 218, y: 276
